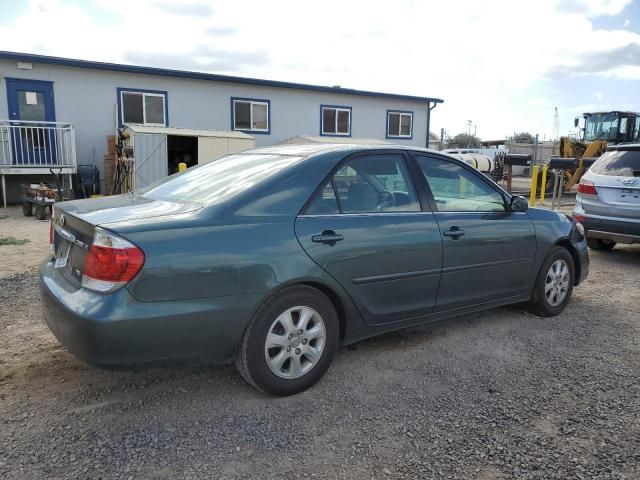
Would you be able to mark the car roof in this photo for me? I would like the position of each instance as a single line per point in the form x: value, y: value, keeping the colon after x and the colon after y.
x: 624, y: 146
x: 305, y: 150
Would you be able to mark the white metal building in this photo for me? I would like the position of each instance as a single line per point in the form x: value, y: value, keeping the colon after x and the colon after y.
x: 96, y: 99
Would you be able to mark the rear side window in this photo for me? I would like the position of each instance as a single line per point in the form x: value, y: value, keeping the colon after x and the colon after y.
x: 325, y: 202
x: 371, y: 184
x: 621, y: 163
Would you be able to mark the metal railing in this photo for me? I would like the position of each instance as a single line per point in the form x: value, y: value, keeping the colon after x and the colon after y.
x: 27, y: 144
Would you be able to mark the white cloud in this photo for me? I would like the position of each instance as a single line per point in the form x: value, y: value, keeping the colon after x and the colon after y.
x: 481, y: 57
x: 626, y: 23
x: 539, y: 101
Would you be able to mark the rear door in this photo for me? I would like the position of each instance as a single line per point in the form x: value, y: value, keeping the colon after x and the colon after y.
x: 366, y: 228
x: 487, y: 251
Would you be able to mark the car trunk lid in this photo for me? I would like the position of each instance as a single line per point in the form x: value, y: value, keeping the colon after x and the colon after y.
x: 74, y: 225
x: 618, y: 190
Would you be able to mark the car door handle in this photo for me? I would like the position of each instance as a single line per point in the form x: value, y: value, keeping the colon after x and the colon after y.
x: 328, y: 237
x: 453, y: 232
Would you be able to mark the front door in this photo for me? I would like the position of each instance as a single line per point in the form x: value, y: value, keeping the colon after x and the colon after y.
x: 488, y: 251
x: 367, y: 229
x: 30, y: 104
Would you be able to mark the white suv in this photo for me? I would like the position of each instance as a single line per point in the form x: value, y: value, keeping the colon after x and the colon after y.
x: 608, y: 200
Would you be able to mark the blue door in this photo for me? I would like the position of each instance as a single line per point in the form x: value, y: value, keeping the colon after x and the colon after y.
x: 30, y: 104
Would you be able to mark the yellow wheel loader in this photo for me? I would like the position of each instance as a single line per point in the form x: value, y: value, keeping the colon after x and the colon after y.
x: 600, y: 129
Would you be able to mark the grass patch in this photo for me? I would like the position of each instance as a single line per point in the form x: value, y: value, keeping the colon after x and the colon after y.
x: 12, y: 241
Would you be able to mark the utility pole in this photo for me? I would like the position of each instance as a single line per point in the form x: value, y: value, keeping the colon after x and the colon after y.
x: 469, y: 134
x: 556, y: 130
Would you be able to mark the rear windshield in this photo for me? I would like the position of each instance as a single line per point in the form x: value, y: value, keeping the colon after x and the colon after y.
x: 618, y: 163
x: 218, y: 180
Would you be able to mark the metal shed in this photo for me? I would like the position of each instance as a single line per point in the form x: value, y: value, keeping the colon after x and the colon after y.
x: 157, y: 151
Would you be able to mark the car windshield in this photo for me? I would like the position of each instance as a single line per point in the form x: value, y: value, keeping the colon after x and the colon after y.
x: 601, y: 126
x: 218, y: 180
x: 620, y: 163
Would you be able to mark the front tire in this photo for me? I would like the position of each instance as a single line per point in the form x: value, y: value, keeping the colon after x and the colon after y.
x: 290, y: 342
x: 600, y: 244
x: 554, y: 284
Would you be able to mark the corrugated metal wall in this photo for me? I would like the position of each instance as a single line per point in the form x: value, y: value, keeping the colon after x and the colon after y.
x: 150, y: 157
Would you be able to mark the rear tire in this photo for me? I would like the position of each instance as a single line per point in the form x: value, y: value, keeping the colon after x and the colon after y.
x: 554, y: 284
x: 27, y: 209
x: 41, y: 212
x: 298, y: 324
x: 600, y: 244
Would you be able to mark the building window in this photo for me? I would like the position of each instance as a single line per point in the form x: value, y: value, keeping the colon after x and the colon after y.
x: 335, y: 120
x: 399, y: 124
x: 142, y: 107
x: 250, y: 115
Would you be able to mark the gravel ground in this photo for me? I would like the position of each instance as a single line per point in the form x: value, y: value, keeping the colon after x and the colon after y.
x: 17, y: 258
x: 502, y: 394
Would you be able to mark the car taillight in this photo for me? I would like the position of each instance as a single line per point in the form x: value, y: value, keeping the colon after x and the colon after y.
x: 111, y: 262
x: 578, y: 218
x: 587, y: 187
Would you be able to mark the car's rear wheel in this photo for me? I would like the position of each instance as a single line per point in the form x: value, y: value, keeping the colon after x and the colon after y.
x: 600, y: 244
x: 554, y: 284
x: 290, y: 342
x: 41, y: 213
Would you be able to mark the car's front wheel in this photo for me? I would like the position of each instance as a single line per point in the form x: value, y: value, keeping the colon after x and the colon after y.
x: 554, y: 285
x: 290, y: 342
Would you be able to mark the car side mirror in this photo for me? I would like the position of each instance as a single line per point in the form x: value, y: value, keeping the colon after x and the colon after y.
x: 518, y: 204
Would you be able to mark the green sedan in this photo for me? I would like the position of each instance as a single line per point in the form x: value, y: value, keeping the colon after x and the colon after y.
x: 277, y: 256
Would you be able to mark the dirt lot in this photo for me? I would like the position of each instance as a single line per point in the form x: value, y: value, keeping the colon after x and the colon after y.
x: 502, y: 394
x: 17, y: 258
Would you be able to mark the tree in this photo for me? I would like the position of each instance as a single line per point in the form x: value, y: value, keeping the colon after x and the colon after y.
x: 523, y: 137
x: 463, y: 140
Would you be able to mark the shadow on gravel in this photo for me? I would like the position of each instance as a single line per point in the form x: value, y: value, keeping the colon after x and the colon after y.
x: 627, y: 255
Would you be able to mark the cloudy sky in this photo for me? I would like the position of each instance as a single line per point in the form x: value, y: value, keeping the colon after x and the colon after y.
x: 503, y: 64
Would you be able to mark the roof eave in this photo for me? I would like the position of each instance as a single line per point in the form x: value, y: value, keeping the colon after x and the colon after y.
x: 116, y: 67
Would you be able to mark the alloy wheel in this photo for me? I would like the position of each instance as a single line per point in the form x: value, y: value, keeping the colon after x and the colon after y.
x: 556, y: 284
x: 295, y: 342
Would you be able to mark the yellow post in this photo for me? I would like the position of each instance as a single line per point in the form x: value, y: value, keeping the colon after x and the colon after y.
x: 534, y: 186
x: 182, y: 166
x: 543, y: 182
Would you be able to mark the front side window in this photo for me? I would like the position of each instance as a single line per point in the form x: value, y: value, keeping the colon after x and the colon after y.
x: 143, y: 108
x: 601, y: 126
x: 371, y: 184
x: 335, y: 120
x: 250, y: 115
x: 399, y: 124
x: 456, y: 189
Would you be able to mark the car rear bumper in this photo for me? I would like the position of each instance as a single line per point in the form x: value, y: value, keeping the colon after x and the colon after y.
x: 116, y: 329
x: 621, y: 231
